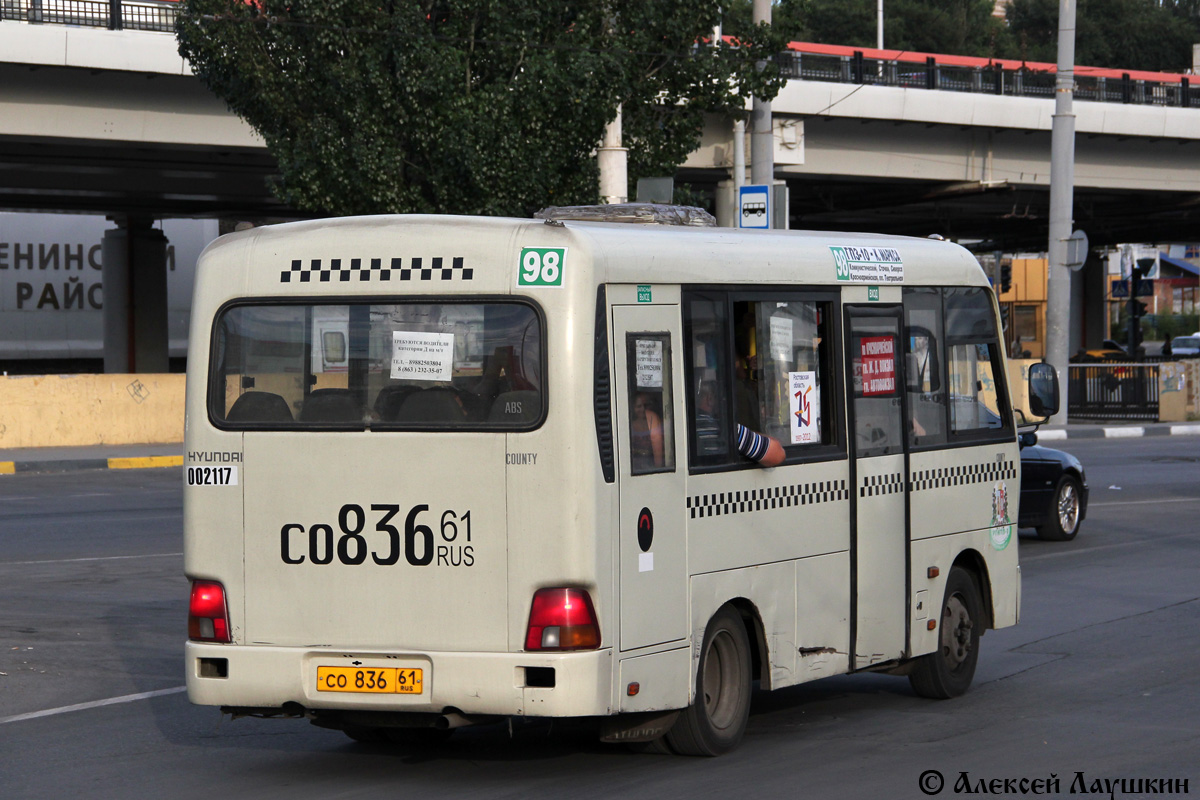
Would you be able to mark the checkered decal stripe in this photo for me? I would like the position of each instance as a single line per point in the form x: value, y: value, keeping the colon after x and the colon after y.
x: 339, y: 271
x: 874, y: 485
x: 800, y: 494
x: 988, y: 472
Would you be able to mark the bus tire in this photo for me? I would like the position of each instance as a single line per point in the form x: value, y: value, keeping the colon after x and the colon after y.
x: 947, y: 672
x: 715, y: 721
x: 1062, y: 518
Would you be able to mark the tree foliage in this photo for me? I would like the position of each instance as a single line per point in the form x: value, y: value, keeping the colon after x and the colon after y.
x: 467, y: 106
x: 1119, y: 34
x: 928, y: 26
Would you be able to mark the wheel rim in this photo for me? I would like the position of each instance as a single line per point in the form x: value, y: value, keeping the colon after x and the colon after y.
x: 956, y: 632
x: 721, y: 685
x: 1068, y: 508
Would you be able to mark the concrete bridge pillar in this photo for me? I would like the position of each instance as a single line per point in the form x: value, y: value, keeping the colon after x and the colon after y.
x: 134, y: 258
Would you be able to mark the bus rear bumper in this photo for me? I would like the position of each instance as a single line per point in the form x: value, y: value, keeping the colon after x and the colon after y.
x: 504, y: 684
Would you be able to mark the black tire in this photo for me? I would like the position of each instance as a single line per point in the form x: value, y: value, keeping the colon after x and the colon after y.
x: 715, y: 721
x: 947, y: 672
x: 1062, y: 518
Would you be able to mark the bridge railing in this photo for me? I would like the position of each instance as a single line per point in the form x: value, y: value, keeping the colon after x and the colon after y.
x: 989, y: 79
x: 147, y: 15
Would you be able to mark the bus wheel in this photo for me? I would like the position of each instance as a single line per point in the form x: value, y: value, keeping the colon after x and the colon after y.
x: 714, y: 723
x: 1062, y: 523
x: 947, y: 672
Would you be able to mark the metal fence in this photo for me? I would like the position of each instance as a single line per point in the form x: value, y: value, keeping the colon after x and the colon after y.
x: 991, y: 79
x: 1113, y: 391
x: 111, y: 14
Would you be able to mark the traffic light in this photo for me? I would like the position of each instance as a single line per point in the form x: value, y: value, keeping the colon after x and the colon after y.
x: 1137, y: 308
x: 1005, y: 277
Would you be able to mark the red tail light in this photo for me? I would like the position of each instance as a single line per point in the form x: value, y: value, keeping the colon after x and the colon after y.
x: 208, y: 615
x: 562, y: 619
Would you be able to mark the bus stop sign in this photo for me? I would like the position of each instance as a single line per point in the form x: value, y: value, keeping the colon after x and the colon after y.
x: 754, y: 206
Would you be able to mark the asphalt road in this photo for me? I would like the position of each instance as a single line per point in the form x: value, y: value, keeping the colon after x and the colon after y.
x: 1100, y: 678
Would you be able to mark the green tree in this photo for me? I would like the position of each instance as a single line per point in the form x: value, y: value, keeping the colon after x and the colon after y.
x: 467, y: 106
x: 1117, y: 34
x: 959, y: 27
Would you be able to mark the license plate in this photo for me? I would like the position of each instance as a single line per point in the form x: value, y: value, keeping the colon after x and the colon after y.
x: 386, y: 680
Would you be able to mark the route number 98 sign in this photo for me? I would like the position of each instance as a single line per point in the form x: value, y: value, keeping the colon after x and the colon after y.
x: 542, y: 266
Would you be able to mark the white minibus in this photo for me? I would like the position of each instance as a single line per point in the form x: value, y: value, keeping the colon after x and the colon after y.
x: 446, y: 470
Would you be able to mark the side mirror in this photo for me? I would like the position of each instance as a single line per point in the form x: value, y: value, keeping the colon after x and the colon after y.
x: 1027, y: 439
x: 1043, y: 390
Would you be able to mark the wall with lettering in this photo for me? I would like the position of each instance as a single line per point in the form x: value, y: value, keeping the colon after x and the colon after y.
x: 52, y: 288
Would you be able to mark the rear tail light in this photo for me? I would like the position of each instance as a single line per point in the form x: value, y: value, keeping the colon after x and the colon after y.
x: 208, y: 614
x: 562, y: 619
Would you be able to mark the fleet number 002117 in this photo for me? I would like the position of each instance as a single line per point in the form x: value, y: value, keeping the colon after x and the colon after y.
x: 212, y: 476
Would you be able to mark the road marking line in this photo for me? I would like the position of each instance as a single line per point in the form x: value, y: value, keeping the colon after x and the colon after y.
x: 94, y: 558
x: 1123, y: 433
x: 145, y: 461
x: 112, y: 701
x: 8, y: 467
x: 1051, y: 435
x: 1185, y: 430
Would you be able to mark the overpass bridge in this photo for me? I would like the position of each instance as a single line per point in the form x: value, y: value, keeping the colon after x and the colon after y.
x: 912, y: 143
x: 99, y: 114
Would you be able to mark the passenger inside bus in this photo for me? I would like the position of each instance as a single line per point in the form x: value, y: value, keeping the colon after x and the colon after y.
x: 766, y: 450
x: 646, y: 434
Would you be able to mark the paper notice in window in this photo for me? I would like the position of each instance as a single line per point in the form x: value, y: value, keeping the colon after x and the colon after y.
x: 781, y: 338
x: 805, y: 408
x: 422, y: 356
x: 649, y: 355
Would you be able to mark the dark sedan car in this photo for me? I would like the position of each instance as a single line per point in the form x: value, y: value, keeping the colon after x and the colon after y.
x: 1054, y: 493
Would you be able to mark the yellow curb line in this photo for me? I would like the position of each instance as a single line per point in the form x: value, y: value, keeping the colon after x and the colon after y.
x: 144, y: 462
x: 7, y: 467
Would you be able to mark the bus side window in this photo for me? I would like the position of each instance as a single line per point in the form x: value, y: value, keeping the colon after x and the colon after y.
x: 924, y: 359
x: 977, y: 400
x: 651, y: 421
x: 707, y: 382
x: 782, y: 368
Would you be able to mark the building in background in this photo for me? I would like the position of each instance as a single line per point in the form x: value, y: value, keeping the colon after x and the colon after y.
x: 1173, y: 272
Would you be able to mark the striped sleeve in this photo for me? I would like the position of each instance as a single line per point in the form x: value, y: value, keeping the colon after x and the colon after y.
x: 751, y: 444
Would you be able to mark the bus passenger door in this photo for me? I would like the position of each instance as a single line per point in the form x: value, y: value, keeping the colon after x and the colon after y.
x: 879, y: 541
x: 653, y: 553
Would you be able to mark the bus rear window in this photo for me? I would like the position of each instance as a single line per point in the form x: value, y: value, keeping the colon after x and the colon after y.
x: 401, y: 366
